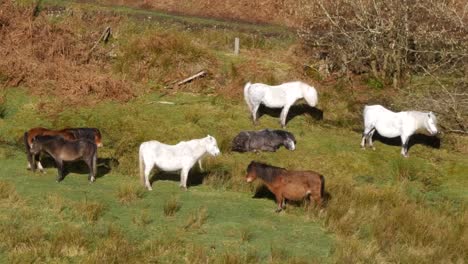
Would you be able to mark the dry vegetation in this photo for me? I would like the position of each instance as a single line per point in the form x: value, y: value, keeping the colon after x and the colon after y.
x: 52, y: 58
x: 286, y: 12
x: 371, y: 221
x: 417, y: 46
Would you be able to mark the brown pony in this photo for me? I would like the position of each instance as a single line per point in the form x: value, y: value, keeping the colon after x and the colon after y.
x: 62, y: 150
x: 291, y: 185
x: 92, y: 134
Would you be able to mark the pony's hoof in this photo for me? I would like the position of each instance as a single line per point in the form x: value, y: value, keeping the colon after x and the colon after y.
x: 278, y: 210
x: 43, y: 172
x: 184, y: 188
x: 373, y: 148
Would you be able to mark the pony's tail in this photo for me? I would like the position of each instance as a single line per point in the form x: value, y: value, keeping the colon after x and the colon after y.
x: 310, y: 95
x: 28, y: 150
x: 95, y: 163
x: 246, y: 95
x: 142, y: 166
x: 322, y: 187
x: 26, y: 143
x: 366, y: 108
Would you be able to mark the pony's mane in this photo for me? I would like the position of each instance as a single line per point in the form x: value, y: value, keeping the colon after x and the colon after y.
x: 45, y: 138
x: 85, y: 132
x: 285, y: 134
x: 266, y: 172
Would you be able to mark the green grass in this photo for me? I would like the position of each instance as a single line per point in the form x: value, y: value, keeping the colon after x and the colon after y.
x: 383, y: 208
x: 219, y: 216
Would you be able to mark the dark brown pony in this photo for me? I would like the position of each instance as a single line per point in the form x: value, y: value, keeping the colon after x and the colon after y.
x: 62, y: 150
x: 291, y: 185
x: 92, y: 134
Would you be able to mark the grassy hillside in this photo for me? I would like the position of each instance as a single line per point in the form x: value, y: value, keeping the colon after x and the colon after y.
x: 383, y: 208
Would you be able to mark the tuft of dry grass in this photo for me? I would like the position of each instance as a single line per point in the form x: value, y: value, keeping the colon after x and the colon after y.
x: 197, y: 219
x: 172, y: 206
x: 114, y: 248
x: 246, y: 235
x: 143, y: 219
x: 90, y: 211
x: 128, y: 193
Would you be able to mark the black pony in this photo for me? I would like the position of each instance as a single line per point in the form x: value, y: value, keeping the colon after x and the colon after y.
x: 263, y: 140
x: 62, y: 150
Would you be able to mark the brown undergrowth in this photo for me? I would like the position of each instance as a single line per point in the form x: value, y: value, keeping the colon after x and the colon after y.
x: 51, y: 57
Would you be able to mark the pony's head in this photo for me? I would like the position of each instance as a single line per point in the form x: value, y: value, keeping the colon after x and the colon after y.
x: 251, y: 172
x: 98, y: 138
x: 290, y: 141
x: 431, y: 123
x: 212, y: 146
x: 36, y: 146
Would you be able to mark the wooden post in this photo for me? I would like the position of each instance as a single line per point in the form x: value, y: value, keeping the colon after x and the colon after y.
x: 236, y: 46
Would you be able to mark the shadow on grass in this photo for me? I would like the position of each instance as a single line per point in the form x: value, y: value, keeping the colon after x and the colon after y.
x: 295, y: 110
x: 263, y: 192
x: 195, y: 177
x: 421, y: 139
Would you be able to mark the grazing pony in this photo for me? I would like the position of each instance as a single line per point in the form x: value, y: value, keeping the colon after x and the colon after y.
x: 279, y: 96
x: 62, y: 150
x: 92, y: 134
x: 390, y: 124
x: 291, y: 185
x: 263, y: 140
x: 181, y: 156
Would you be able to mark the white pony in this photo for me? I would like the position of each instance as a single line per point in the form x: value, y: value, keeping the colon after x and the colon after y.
x: 390, y: 124
x: 279, y: 96
x: 181, y: 156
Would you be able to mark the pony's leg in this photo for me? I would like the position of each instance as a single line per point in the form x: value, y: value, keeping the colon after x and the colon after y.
x: 369, y: 138
x: 148, y: 168
x: 284, y: 114
x: 316, y: 198
x: 365, y: 135
x: 183, y: 178
x: 404, y: 145
x: 30, y: 159
x: 39, y: 165
x: 279, y: 201
x: 200, y: 165
x: 283, y: 204
x: 60, y: 170
x: 89, y: 162
x: 254, y: 113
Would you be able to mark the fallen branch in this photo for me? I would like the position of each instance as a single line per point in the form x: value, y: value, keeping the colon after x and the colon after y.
x: 457, y: 131
x: 193, y: 77
x: 161, y: 102
x: 189, y: 79
x: 104, y: 37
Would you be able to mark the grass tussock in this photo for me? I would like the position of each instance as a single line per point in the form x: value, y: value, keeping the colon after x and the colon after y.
x: 7, y: 191
x: 128, y: 193
x: 383, y: 224
x: 143, y: 219
x: 90, y: 211
x: 197, y: 219
x: 172, y: 206
x: 114, y: 248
